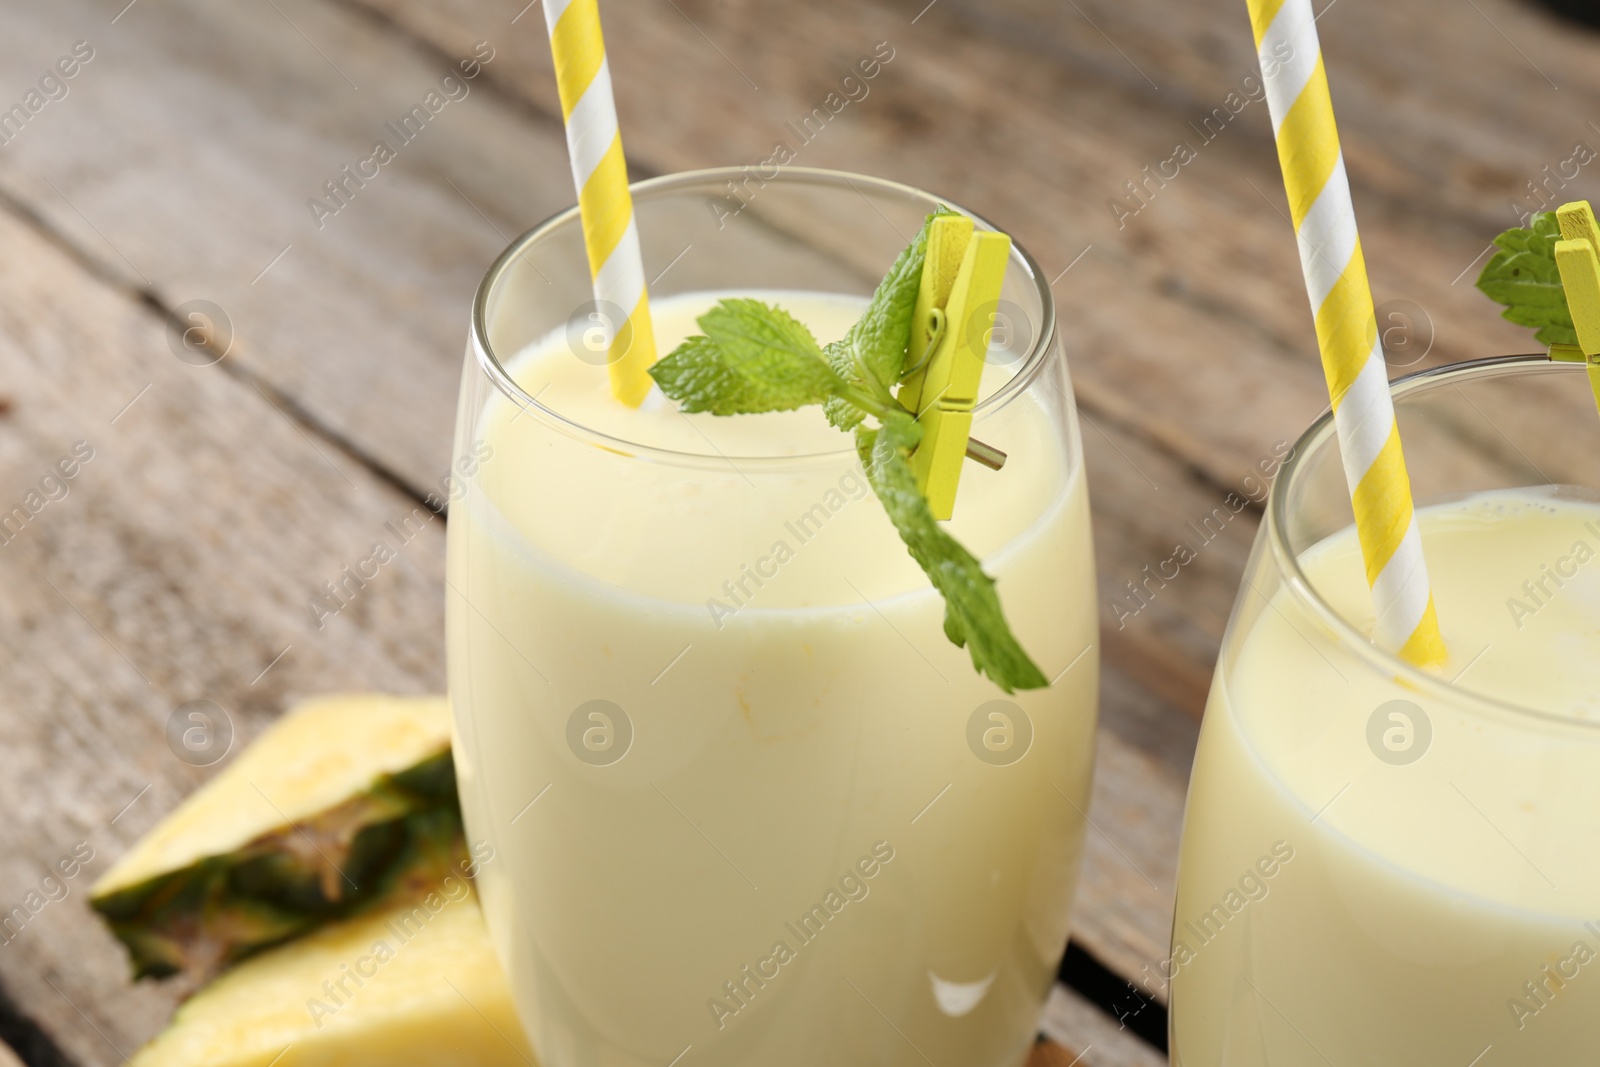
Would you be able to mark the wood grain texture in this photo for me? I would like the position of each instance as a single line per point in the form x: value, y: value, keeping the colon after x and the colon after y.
x: 183, y: 159
x: 179, y: 166
x: 176, y: 567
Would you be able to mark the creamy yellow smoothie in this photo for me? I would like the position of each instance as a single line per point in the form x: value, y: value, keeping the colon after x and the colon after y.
x: 1386, y: 873
x: 749, y: 804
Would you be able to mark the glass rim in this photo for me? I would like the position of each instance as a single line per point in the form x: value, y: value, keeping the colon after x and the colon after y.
x: 489, y: 363
x: 1320, y: 435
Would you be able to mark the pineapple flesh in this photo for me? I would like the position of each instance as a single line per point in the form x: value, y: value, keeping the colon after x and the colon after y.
x: 306, y: 825
x: 411, y: 981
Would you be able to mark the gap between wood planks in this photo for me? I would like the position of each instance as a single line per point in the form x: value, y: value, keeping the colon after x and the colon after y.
x: 150, y: 299
x: 26, y: 1038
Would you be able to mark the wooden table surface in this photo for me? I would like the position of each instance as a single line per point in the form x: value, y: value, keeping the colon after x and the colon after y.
x: 177, y: 168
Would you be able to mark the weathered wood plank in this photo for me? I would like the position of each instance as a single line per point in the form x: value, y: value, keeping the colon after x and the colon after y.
x: 1447, y: 108
x: 1444, y: 119
x: 174, y: 566
x: 187, y: 150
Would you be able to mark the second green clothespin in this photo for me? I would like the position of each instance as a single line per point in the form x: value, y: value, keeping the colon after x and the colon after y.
x: 961, y: 281
x: 1578, y: 258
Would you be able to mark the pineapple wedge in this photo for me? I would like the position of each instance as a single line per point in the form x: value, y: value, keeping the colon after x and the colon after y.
x: 410, y: 982
x: 305, y: 825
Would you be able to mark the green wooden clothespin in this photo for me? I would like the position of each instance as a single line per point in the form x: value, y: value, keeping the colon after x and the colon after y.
x: 1579, y: 263
x: 960, y: 290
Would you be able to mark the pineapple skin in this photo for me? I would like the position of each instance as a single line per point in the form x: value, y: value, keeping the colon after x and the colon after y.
x: 413, y: 984
x: 235, y: 867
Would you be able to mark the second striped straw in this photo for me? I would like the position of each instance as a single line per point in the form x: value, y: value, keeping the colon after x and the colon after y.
x: 610, y: 233
x: 1347, y: 329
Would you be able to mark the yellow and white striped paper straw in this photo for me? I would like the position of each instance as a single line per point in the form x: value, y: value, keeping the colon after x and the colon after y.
x: 1347, y: 329
x: 610, y: 233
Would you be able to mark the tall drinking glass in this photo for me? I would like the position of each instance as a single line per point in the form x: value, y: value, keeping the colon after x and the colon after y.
x: 1383, y: 865
x: 747, y: 803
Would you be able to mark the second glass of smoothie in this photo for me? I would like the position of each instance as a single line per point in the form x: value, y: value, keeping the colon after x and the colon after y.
x: 1389, y: 866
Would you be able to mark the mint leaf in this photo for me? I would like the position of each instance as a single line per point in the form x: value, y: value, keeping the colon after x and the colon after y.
x: 841, y: 411
x: 766, y: 339
x: 973, y: 617
x: 753, y: 358
x: 881, y: 336
x: 1523, y: 276
x: 699, y: 378
x: 873, y: 354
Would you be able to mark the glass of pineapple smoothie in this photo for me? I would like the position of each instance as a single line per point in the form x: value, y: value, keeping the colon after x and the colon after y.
x: 1389, y: 866
x: 748, y: 802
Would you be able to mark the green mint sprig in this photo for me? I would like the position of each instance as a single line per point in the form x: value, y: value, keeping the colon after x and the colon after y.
x: 755, y: 358
x: 1523, y: 276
